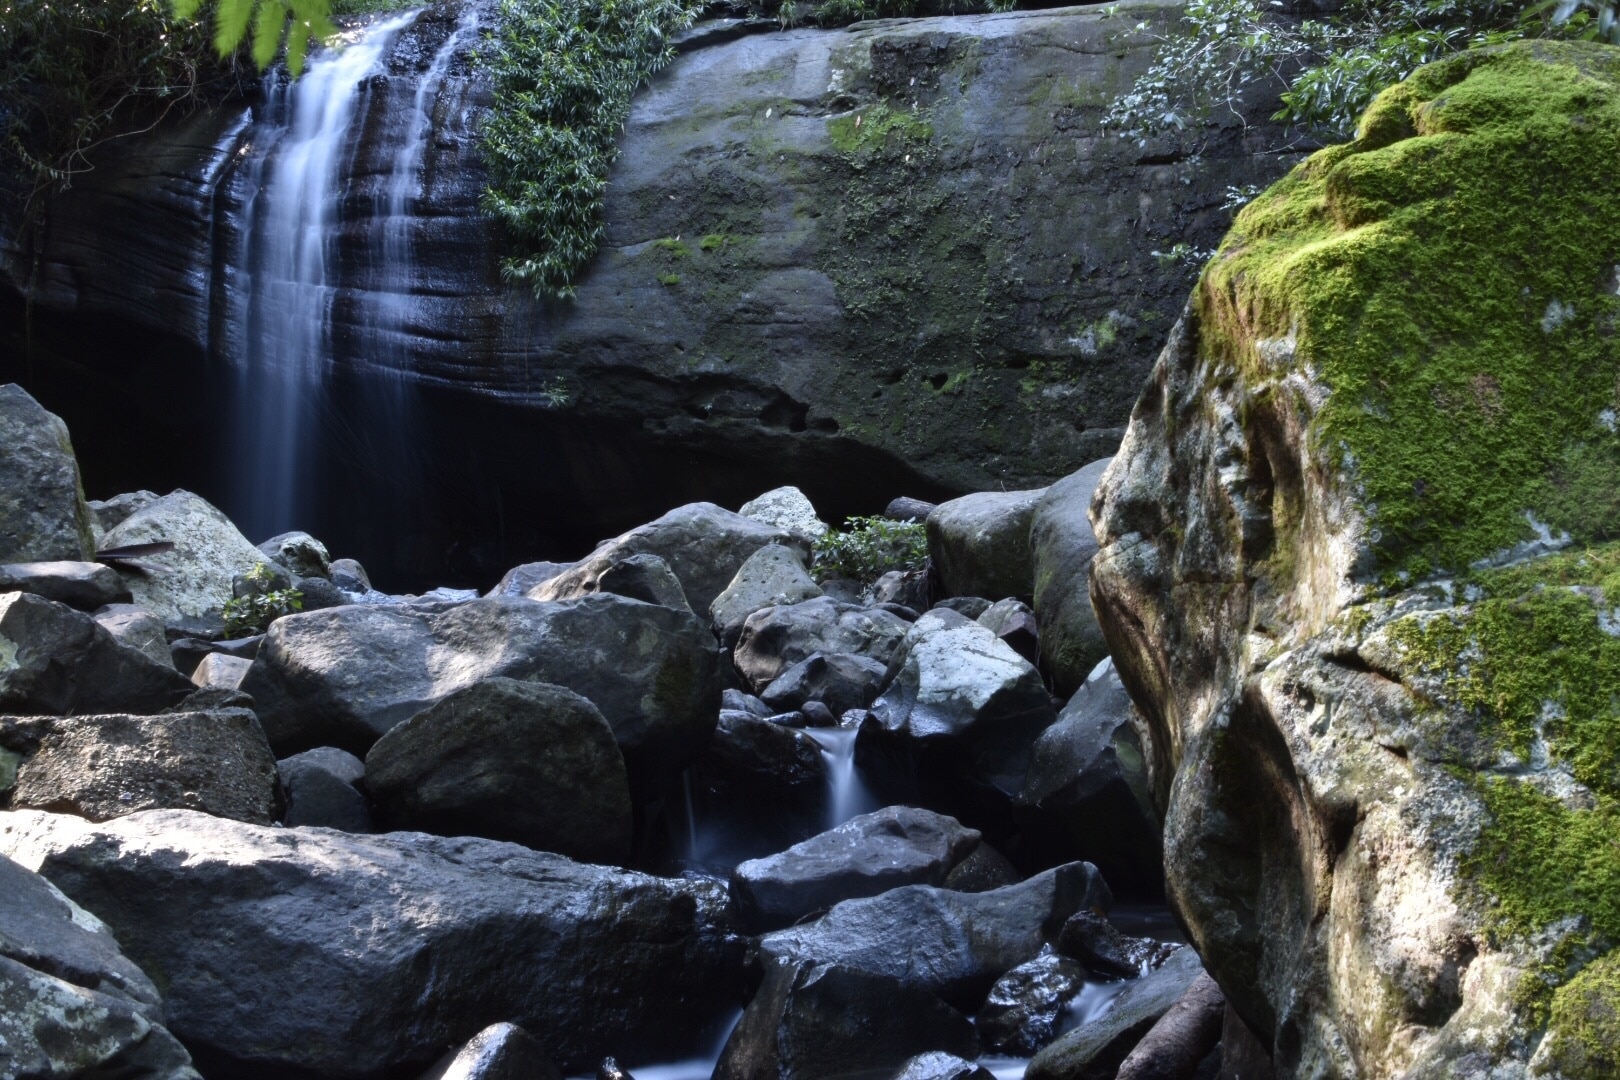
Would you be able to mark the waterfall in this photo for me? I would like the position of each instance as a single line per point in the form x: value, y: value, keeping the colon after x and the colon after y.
x: 847, y: 796
x: 296, y: 175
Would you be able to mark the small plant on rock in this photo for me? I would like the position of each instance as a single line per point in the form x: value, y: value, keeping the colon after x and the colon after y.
x: 869, y: 547
x: 260, y: 605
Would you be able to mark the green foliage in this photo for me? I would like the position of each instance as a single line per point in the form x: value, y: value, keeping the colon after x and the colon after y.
x: 1330, y: 67
x: 1450, y: 277
x: 260, y: 605
x: 264, y: 25
x: 564, y: 72
x: 870, y: 547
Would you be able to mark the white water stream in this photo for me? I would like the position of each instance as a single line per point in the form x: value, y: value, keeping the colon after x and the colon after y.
x: 847, y: 795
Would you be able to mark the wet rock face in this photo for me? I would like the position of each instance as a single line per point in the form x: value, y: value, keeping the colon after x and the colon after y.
x: 860, y: 300
x: 1348, y: 640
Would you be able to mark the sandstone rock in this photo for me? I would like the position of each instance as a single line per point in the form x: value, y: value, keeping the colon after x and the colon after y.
x: 1094, y: 1050
x: 102, y: 767
x: 1024, y: 1007
x: 346, y: 676
x: 979, y: 544
x: 865, y: 856
x: 300, y: 554
x: 776, y: 638
x: 817, y: 1020
x: 704, y: 545
x: 56, y: 660
x: 43, y: 517
x: 948, y: 943
x: 966, y: 702
x: 840, y: 681
x: 397, y: 944
x: 499, y: 1052
x: 787, y: 508
x: 136, y: 628
x: 320, y: 786
x: 71, y: 1004
x: 221, y: 670
x: 522, y: 761
x: 190, y: 585
x: 758, y: 787
x: 1062, y: 546
x: 772, y: 576
x: 1330, y: 582
x: 520, y: 579
x: 83, y: 585
x: 1087, y: 793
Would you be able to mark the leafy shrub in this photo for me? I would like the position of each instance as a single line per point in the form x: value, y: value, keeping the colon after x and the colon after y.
x: 260, y: 605
x: 869, y: 547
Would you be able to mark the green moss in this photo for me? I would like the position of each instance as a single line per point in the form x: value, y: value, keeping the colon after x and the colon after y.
x: 867, y: 130
x: 672, y: 246
x: 716, y: 242
x: 1583, y: 1036
x: 1450, y: 277
x: 669, y: 279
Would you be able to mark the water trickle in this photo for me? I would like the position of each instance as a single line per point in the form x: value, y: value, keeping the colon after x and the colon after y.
x: 847, y: 795
x: 296, y: 175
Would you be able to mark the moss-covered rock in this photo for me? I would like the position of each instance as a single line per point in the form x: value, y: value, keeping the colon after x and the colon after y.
x: 1356, y: 569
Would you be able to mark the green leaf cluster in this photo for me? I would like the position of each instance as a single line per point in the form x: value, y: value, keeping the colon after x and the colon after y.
x: 564, y: 73
x: 869, y: 547
x: 263, y: 25
x: 260, y: 604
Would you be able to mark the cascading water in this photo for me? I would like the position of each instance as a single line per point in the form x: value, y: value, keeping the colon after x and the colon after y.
x: 847, y: 795
x: 286, y: 277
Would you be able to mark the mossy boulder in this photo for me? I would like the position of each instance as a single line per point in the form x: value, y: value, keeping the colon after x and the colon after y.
x: 1356, y: 569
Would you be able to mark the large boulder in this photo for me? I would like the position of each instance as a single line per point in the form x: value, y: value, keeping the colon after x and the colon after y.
x: 54, y: 660
x: 979, y: 544
x: 1351, y: 571
x: 776, y: 638
x: 704, y: 545
x: 966, y: 705
x: 43, y: 516
x: 102, y: 767
x: 787, y: 508
x: 809, y: 1021
x: 83, y: 585
x: 353, y: 956
x: 348, y: 675
x: 299, y: 553
x: 189, y: 586
x: 952, y: 944
x: 137, y: 628
x: 322, y: 789
x: 509, y: 760
x: 1061, y: 545
x: 1087, y: 793
x: 1025, y: 1007
x: 772, y: 576
x: 1094, y: 1049
x: 840, y: 681
x: 520, y: 579
x: 866, y: 855
x: 71, y: 1003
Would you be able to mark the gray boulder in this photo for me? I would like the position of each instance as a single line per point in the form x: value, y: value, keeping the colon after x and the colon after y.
x: 984, y: 869
x: 106, y: 515
x: 43, y: 516
x: 704, y: 545
x: 774, y: 575
x: 346, y: 676
x: 776, y: 638
x: 222, y: 671
x: 191, y: 584
x: 321, y: 790
x: 137, y: 628
x: 787, y: 508
x: 865, y: 856
x: 1024, y: 1007
x: 83, y: 585
x: 970, y: 707
x: 520, y: 579
x: 1013, y: 622
x: 521, y: 761
x: 397, y: 945
x: 840, y: 681
x: 908, y: 588
x: 71, y: 1003
x: 54, y: 660
x: 101, y: 767
x: 979, y: 544
x: 300, y: 554
x: 1087, y: 792
x: 757, y: 787
x: 350, y: 575
x: 1091, y: 939
x: 500, y: 1052
x: 1095, y: 1049
x: 952, y: 944
x: 1062, y: 546
x: 647, y: 578
x: 810, y: 1021
x: 938, y: 1065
